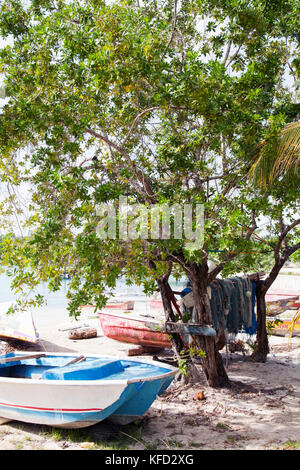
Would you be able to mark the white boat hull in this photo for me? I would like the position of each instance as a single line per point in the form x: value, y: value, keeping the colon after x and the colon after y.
x: 78, y: 403
x: 59, y: 405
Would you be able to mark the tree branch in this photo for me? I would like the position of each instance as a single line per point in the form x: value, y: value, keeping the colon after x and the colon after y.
x: 284, y: 233
x: 227, y: 52
x: 213, y: 274
x: 133, y: 125
x: 234, y: 56
x: 105, y: 139
x: 174, y: 24
x: 141, y: 177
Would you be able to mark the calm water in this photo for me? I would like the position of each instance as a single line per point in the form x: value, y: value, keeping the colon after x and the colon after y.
x: 55, y: 310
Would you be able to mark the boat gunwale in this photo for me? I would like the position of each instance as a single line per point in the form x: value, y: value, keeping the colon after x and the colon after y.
x: 147, y: 319
x: 96, y: 382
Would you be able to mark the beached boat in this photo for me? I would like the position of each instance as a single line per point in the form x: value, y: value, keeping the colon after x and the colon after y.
x: 156, y: 303
x: 287, y: 327
x: 151, y: 334
x: 129, y: 305
x: 60, y: 390
x: 132, y: 330
x: 17, y: 325
x: 279, y: 300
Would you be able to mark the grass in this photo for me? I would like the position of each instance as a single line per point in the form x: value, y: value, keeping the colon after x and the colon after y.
x: 19, y: 445
x: 291, y: 445
x: 72, y: 435
x: 195, y: 444
x: 233, y: 439
x: 85, y: 438
x: 222, y: 426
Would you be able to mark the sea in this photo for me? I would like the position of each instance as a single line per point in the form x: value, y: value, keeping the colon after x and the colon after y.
x: 54, y: 311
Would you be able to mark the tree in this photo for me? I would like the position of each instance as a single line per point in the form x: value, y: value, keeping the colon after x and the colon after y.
x: 159, y: 102
x: 276, y: 171
x: 281, y: 215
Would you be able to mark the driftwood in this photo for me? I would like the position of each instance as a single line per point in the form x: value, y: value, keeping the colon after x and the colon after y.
x: 130, y: 305
x: 83, y: 333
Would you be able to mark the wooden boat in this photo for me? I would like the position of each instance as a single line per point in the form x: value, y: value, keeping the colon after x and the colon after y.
x: 60, y: 390
x: 129, y: 305
x: 147, y: 333
x: 18, y: 325
x: 156, y: 303
x: 279, y: 300
x: 283, y: 328
x: 133, y: 330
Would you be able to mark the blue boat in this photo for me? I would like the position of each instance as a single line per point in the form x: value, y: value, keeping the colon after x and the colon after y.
x: 62, y: 390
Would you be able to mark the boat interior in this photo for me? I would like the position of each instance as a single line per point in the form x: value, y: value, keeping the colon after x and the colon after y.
x: 64, y: 368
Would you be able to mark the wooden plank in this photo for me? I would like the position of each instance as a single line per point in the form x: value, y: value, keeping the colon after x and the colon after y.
x: 75, y: 360
x: 181, y: 328
x: 142, y: 350
x: 21, y: 358
x: 189, y: 328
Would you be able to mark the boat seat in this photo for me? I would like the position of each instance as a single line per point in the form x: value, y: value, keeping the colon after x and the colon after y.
x: 92, y: 370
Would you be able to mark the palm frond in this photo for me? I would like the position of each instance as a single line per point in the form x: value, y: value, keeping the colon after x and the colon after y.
x: 289, y: 148
x: 278, y: 157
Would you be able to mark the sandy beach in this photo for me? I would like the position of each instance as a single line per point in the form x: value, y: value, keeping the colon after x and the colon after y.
x: 263, y: 416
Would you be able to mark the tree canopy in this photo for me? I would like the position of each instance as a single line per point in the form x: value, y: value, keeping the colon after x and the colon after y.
x: 163, y: 102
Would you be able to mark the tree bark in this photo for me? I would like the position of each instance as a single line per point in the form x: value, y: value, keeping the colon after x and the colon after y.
x: 193, y: 375
x: 212, y: 363
x: 260, y: 355
x: 262, y: 342
x: 169, y: 314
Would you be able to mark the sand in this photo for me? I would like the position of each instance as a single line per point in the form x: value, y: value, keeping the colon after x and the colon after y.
x: 264, y: 416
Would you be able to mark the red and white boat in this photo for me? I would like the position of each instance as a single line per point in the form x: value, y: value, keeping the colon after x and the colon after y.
x: 133, y: 330
x: 128, y: 305
x: 280, y: 300
x: 156, y: 303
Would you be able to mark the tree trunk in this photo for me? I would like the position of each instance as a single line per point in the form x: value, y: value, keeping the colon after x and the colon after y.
x: 169, y: 314
x: 193, y: 375
x: 262, y: 342
x: 262, y: 350
x: 212, y: 363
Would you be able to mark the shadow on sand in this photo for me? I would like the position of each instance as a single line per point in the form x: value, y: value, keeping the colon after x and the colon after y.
x: 43, y: 345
